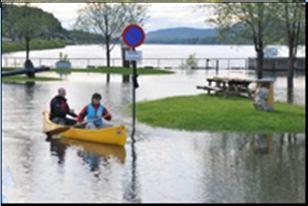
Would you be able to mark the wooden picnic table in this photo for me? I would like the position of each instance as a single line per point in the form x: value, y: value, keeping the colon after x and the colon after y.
x: 228, y: 86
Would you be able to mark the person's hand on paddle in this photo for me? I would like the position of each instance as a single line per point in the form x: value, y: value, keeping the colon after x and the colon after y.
x: 80, y: 124
x: 107, y: 117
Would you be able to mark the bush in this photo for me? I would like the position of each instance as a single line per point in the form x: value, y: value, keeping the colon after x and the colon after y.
x: 190, y: 63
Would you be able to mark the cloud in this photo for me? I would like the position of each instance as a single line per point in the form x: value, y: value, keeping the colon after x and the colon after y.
x: 166, y: 15
x: 162, y: 15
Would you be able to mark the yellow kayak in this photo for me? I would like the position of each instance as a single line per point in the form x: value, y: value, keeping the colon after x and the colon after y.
x: 114, y: 135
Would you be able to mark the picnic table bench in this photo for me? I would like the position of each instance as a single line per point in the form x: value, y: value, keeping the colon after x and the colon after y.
x: 228, y: 86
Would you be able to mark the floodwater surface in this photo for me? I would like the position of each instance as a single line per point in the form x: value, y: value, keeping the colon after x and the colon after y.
x: 163, y: 165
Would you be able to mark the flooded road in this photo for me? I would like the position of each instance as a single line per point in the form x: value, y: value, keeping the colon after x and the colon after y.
x: 162, y: 166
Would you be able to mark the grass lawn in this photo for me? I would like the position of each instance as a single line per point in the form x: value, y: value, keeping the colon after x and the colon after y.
x: 212, y: 113
x: 21, y: 79
x: 112, y: 70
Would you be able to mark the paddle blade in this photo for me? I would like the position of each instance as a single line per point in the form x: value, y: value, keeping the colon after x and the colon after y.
x: 58, y: 130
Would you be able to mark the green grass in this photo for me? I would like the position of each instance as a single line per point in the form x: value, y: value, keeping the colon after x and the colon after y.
x: 36, y: 44
x: 7, y: 69
x: 116, y: 70
x: 22, y: 79
x: 203, y: 112
x: 112, y: 70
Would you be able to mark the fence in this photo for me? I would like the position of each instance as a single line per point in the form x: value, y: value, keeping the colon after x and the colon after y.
x: 167, y: 63
x: 278, y: 64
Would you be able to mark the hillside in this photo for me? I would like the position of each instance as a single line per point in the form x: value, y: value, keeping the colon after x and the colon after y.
x: 12, y: 25
x: 181, y: 35
x: 184, y: 35
x: 12, y: 16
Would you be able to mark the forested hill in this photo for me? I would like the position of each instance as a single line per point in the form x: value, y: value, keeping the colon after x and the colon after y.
x: 13, y: 25
x: 184, y: 35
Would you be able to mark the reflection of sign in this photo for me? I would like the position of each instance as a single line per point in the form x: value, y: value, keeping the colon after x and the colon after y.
x: 133, y: 36
x: 133, y: 55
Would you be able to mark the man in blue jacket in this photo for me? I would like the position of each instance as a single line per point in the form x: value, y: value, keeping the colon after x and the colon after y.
x: 94, y: 112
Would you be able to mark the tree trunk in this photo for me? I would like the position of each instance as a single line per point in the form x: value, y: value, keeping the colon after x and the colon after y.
x: 27, y: 47
x: 108, y: 56
x: 125, y: 64
x: 108, y: 53
x: 290, y: 79
x: 260, y: 58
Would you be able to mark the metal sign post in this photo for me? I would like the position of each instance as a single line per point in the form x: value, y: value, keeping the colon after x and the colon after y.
x: 133, y: 36
x: 135, y: 86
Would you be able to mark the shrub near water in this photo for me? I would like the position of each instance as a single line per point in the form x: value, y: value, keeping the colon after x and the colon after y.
x: 36, y: 44
x: 210, y: 113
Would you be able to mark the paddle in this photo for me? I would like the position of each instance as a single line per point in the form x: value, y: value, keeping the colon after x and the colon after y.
x: 64, y: 128
x: 58, y: 130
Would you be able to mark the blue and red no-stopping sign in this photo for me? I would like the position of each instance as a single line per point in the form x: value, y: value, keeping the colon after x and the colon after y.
x: 133, y: 36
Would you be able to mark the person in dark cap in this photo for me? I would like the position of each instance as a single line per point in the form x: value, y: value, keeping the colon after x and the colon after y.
x: 59, y: 109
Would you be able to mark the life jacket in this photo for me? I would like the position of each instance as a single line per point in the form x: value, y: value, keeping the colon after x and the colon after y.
x: 93, y: 114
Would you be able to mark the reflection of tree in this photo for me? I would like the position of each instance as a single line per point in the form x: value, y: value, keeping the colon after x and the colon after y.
x: 282, y: 174
x: 29, y: 88
x: 236, y: 171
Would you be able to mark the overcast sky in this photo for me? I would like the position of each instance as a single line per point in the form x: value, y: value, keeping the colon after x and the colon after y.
x: 162, y: 15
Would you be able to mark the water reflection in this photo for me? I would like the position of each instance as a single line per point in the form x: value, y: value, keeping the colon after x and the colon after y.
x: 58, y: 149
x: 263, y: 143
x: 131, y: 192
x: 91, y: 153
x: 163, y: 165
x: 184, y: 83
x: 257, y: 165
x: 64, y: 75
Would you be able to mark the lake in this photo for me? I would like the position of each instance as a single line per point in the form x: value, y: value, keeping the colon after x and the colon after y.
x: 153, y: 55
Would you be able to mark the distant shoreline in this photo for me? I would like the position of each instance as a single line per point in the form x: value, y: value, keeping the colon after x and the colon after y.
x: 36, y: 44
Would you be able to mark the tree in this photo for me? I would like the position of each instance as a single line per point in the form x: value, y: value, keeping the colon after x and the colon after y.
x: 27, y: 23
x: 293, y: 18
x: 248, y: 21
x: 109, y: 19
x: 9, y: 21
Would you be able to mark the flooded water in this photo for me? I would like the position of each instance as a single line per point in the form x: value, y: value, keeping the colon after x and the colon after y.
x: 157, y: 51
x: 153, y: 55
x: 162, y: 166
